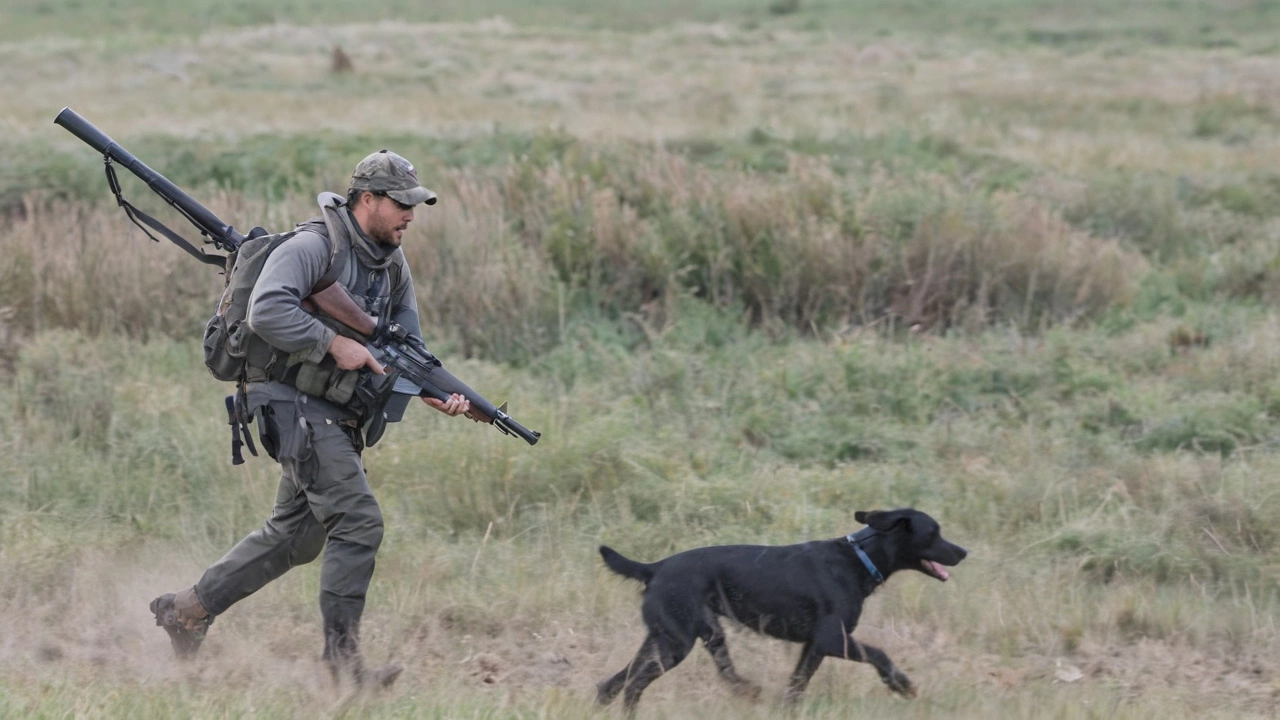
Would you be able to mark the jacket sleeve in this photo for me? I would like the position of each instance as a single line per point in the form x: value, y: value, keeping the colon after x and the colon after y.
x: 275, y: 307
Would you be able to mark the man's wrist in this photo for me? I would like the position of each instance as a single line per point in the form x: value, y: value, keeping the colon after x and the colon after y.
x: 322, y: 348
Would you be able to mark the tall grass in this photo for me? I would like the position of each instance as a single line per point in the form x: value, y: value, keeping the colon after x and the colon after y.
x: 516, y: 251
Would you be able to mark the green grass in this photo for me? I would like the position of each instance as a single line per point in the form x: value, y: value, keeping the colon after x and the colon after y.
x: 750, y: 267
x: 1088, y: 540
x: 1195, y: 23
x: 274, y: 166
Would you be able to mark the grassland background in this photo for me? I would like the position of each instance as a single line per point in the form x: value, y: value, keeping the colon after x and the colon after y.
x: 750, y: 267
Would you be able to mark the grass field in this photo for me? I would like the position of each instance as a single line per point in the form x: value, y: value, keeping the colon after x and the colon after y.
x: 750, y: 267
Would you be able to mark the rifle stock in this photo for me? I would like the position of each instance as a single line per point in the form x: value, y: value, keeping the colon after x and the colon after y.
x: 338, y: 304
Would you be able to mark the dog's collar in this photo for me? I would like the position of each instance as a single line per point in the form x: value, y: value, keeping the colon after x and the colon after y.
x: 854, y: 539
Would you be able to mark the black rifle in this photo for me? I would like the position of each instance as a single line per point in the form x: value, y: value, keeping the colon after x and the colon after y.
x: 392, y: 345
x: 394, y: 349
x: 398, y: 349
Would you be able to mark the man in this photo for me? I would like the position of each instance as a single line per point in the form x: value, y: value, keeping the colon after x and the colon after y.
x: 308, y: 418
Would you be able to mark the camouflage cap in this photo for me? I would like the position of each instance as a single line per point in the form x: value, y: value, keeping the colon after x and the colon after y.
x: 387, y: 172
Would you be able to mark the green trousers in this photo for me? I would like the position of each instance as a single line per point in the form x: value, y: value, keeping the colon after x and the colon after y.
x: 323, y: 503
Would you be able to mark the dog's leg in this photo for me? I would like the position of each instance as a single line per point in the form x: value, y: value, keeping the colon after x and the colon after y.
x: 889, y: 673
x: 668, y: 653
x: 607, y: 690
x: 841, y: 644
x: 810, y: 659
x: 713, y: 639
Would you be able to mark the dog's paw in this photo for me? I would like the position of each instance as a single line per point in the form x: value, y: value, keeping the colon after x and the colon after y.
x: 607, y: 690
x: 901, y: 684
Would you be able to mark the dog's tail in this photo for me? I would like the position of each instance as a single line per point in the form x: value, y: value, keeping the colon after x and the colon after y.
x: 627, y: 567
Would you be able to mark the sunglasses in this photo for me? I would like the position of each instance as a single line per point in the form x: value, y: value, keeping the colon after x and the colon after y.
x: 399, y: 204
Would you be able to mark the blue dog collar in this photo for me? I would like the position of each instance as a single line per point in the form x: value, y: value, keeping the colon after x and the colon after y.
x: 862, y: 555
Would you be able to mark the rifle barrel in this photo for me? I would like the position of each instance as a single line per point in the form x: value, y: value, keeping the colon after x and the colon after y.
x: 508, y: 422
x: 435, y: 381
x: 204, y: 218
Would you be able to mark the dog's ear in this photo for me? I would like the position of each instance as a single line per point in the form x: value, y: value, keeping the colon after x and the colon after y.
x: 881, y: 520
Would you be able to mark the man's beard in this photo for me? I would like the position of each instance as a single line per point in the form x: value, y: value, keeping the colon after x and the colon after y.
x: 386, y: 236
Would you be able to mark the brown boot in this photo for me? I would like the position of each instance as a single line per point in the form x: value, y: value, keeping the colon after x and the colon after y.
x: 184, y: 619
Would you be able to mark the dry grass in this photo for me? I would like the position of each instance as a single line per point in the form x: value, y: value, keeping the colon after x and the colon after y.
x: 1113, y: 480
x: 1070, y: 113
x: 501, y: 258
x: 523, y: 628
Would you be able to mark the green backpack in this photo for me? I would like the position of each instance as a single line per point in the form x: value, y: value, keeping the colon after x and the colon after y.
x: 229, y: 344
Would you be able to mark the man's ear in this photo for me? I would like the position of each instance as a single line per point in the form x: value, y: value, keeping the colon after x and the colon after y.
x: 881, y: 520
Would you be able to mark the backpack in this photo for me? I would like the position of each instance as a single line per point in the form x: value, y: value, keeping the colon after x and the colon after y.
x: 228, y: 339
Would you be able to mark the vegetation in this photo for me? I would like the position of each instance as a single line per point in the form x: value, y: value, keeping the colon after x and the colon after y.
x: 750, y: 267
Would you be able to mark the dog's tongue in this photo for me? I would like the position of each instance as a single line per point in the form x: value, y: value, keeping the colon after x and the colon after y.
x: 935, y: 569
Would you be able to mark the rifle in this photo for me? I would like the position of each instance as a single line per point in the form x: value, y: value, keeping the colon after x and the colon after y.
x: 392, y: 346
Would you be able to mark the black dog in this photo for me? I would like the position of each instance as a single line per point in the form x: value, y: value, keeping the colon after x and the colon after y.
x: 810, y: 593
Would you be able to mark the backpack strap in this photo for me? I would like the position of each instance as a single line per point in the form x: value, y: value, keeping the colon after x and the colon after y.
x: 340, y: 251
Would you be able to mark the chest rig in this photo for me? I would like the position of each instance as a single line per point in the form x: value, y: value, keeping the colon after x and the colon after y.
x: 367, y: 280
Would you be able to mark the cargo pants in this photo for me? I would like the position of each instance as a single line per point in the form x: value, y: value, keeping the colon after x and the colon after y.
x: 323, y: 503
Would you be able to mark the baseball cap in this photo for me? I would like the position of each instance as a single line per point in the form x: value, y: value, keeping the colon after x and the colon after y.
x: 387, y: 172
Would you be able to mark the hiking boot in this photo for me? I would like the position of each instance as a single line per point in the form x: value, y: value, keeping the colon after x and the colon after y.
x: 184, y: 619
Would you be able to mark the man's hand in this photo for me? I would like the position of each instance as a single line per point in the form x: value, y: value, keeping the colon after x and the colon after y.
x: 455, y: 406
x: 351, y: 355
